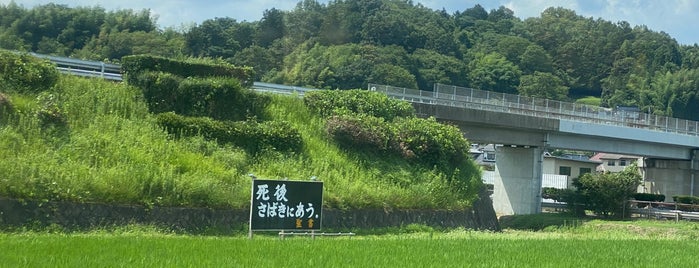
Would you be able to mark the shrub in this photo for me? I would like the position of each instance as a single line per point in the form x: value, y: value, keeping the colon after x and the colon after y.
x: 649, y: 197
x: 431, y: 142
x: 216, y: 97
x: 556, y: 194
x: 333, y: 102
x: 606, y: 193
x: 158, y: 90
x: 24, y: 73
x: 50, y: 113
x: 424, y: 140
x: 686, y: 199
x: 360, y: 132
x: 250, y: 135
x: 133, y: 65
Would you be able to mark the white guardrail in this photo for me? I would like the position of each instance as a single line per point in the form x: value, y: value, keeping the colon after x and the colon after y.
x: 86, y: 68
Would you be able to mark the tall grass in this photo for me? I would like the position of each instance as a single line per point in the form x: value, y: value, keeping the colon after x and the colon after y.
x: 353, y: 180
x: 109, y: 149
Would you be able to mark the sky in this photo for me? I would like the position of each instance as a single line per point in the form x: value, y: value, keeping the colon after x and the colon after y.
x: 675, y: 17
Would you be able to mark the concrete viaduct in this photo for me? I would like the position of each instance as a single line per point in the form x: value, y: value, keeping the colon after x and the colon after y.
x: 529, y: 126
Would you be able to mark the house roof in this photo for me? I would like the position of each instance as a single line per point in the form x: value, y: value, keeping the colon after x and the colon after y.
x: 575, y: 159
x: 607, y: 156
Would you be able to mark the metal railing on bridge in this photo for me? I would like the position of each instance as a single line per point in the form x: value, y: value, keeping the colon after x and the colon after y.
x: 502, y: 102
x: 86, y: 68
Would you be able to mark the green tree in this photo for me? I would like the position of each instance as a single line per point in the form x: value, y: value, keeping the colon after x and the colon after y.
x: 396, y: 76
x: 270, y: 28
x: 260, y: 59
x: 674, y: 94
x: 494, y: 72
x: 543, y: 85
x: 606, y: 193
x: 512, y: 47
x: 305, y: 20
x: 433, y: 67
x: 213, y: 38
x: 534, y: 59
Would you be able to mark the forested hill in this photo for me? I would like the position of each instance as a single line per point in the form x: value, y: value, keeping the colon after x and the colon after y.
x: 346, y: 44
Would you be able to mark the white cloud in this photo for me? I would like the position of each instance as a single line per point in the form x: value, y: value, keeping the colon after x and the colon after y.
x: 533, y: 8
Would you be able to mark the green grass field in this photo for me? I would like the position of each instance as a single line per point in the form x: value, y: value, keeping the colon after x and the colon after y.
x: 592, y: 244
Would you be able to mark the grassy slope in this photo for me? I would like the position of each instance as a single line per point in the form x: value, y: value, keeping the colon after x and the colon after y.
x: 112, y: 151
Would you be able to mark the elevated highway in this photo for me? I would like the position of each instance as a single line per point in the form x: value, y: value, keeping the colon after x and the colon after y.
x: 516, y: 120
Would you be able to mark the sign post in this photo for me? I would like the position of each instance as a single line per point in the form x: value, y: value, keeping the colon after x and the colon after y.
x: 281, y: 205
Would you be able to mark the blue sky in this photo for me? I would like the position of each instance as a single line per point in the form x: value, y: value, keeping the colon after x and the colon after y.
x: 675, y: 17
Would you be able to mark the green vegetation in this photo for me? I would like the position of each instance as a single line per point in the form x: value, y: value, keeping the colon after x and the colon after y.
x: 250, y: 135
x: 88, y: 140
x: 606, y: 193
x: 347, y: 44
x: 649, y: 197
x: 587, y: 244
x: 21, y: 73
x: 685, y: 199
x: 589, y: 100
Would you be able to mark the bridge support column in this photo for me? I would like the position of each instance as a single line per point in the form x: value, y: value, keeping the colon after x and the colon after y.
x: 517, y: 188
x: 672, y: 177
x: 694, y: 171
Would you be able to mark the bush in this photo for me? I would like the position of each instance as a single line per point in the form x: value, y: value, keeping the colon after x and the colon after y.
x: 360, y: 132
x: 431, y: 142
x: 134, y: 65
x: 559, y: 195
x: 50, y: 113
x: 686, y: 199
x: 334, y: 102
x: 24, y: 73
x: 250, y: 135
x: 159, y: 90
x: 216, y: 97
x: 606, y: 193
x: 649, y: 197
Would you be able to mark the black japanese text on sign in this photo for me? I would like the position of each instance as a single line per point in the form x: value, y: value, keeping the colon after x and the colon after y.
x: 286, y: 205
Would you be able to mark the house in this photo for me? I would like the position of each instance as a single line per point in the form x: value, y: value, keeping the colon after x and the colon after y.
x: 557, y: 171
x: 483, y: 155
x: 570, y: 166
x: 616, y: 162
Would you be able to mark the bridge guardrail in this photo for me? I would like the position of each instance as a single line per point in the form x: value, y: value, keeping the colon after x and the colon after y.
x: 494, y: 101
x: 280, y: 89
x: 87, y: 68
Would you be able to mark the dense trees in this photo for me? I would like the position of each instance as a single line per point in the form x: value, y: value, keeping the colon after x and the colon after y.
x: 347, y: 44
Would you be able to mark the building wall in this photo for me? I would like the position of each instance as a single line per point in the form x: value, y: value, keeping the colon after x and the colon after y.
x: 617, y: 165
x: 669, y: 177
x: 552, y: 165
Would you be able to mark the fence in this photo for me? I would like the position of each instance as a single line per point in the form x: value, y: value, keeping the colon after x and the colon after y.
x: 502, y: 102
x: 84, y: 67
x: 664, y: 210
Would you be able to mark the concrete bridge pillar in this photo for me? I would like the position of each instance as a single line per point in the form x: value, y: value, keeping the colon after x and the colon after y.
x: 672, y: 177
x: 517, y: 187
x: 694, y: 173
